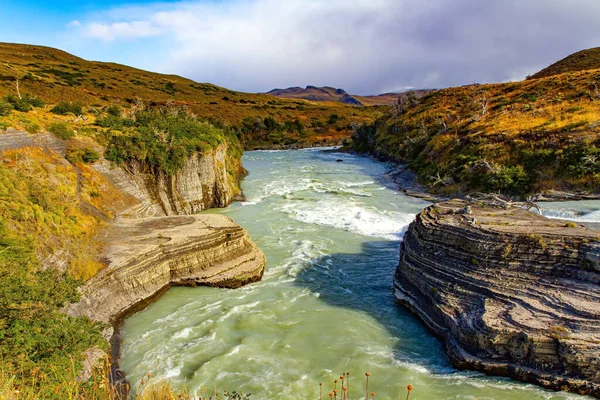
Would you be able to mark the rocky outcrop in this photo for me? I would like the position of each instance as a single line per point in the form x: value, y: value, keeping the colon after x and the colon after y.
x: 510, y: 292
x: 207, y: 180
x: 146, y: 256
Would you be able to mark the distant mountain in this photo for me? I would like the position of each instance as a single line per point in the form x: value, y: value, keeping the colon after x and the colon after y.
x: 327, y: 93
x: 314, y: 93
x: 580, y: 61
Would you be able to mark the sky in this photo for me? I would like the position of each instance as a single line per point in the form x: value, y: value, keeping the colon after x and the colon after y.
x: 362, y: 46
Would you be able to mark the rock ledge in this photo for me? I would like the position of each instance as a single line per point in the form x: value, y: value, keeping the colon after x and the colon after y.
x: 510, y: 292
x: 148, y: 255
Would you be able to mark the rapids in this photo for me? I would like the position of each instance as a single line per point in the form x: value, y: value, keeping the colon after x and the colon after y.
x: 331, y: 232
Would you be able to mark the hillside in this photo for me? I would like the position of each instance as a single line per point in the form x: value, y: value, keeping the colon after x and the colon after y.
x: 329, y: 94
x: 390, y: 99
x: 313, y: 93
x: 261, y: 120
x: 580, y: 61
x: 515, y: 138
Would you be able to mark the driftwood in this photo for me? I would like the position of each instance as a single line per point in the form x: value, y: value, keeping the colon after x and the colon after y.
x: 504, y: 202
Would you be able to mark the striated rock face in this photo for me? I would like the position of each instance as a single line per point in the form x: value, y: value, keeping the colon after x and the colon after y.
x: 510, y: 292
x: 146, y: 256
x: 207, y: 180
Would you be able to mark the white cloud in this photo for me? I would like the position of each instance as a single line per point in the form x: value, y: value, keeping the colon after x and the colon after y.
x: 121, y: 30
x: 74, y: 24
x: 364, y: 46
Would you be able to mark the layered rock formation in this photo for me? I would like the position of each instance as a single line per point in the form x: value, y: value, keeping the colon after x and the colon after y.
x: 510, y: 292
x: 148, y: 255
x: 207, y: 180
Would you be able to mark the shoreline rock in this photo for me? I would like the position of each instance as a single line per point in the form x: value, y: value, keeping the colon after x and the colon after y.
x: 511, y: 293
x: 146, y: 256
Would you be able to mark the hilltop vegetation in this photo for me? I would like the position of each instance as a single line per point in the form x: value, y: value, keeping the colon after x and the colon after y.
x: 580, y: 61
x: 56, y: 76
x: 514, y: 138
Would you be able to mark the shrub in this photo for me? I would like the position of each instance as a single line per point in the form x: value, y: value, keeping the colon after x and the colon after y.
x: 34, y: 101
x: 333, y: 119
x: 61, y: 130
x: 114, y: 111
x: 32, y: 127
x: 17, y: 103
x: 571, y: 224
x: 82, y: 155
x: 64, y: 108
x: 512, y: 180
x: 163, y: 139
x: 5, y: 108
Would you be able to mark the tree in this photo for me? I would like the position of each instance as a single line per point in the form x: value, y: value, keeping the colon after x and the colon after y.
x: 16, y: 83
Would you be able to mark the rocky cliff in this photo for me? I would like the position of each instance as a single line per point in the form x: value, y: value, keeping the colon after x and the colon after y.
x: 510, y: 292
x: 207, y: 180
x: 146, y: 256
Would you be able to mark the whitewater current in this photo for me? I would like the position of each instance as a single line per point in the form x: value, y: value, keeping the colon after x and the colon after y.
x: 331, y: 231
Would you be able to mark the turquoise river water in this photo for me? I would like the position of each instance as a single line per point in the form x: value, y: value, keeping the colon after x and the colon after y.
x: 331, y: 232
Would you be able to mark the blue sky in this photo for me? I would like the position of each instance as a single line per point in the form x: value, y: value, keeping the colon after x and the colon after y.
x: 363, y: 46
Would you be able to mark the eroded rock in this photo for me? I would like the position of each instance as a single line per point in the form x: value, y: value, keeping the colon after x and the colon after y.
x: 148, y: 255
x: 512, y: 294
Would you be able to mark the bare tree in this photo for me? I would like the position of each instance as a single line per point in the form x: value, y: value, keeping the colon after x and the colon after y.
x: 484, y: 100
x: 437, y: 179
x: 16, y: 84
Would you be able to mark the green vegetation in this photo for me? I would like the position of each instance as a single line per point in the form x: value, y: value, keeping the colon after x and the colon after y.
x: 82, y: 155
x: 5, y: 108
x: 512, y: 138
x: 61, y: 130
x: 67, y: 81
x: 24, y: 104
x: 64, y: 108
x: 38, y: 343
x: 161, y: 139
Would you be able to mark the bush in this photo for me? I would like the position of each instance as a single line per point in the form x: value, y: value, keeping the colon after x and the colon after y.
x: 17, y: 103
x: 5, y: 108
x: 64, y: 108
x: 114, y: 111
x: 82, y: 155
x: 61, y: 130
x: 32, y: 127
x: 34, y: 101
x: 163, y: 139
x: 333, y: 119
x: 511, y: 180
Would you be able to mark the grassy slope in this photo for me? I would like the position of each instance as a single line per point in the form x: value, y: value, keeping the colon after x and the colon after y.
x: 535, y: 135
x: 580, y: 61
x: 55, y: 75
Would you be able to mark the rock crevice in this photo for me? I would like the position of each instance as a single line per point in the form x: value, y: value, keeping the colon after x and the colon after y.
x: 510, y: 292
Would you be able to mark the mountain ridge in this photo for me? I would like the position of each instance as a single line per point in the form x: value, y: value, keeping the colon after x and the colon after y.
x: 331, y: 94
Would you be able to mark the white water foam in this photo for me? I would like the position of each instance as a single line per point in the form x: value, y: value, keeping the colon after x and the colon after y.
x: 350, y: 217
x: 286, y: 187
x: 573, y: 215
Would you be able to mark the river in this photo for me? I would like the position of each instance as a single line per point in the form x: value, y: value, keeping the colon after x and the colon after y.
x: 331, y: 232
